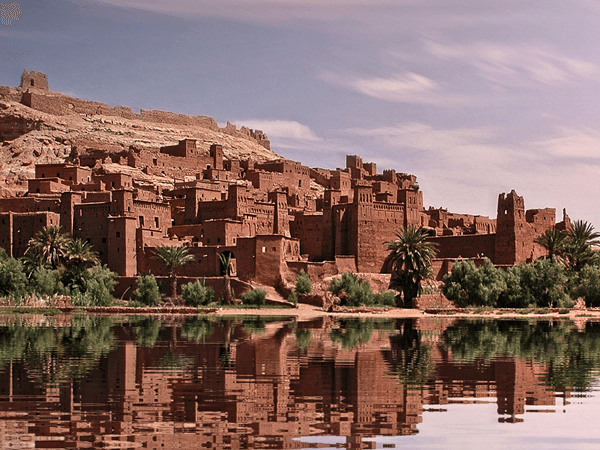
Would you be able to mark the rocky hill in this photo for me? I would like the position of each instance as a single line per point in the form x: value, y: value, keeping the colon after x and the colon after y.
x: 41, y: 126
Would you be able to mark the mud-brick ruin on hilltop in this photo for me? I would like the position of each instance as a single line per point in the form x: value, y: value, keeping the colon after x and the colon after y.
x: 273, y: 217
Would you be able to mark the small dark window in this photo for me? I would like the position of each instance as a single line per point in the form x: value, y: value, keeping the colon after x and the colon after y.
x: 104, y: 240
x: 118, y: 234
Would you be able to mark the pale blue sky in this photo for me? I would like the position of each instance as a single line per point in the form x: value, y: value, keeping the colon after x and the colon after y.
x: 474, y: 97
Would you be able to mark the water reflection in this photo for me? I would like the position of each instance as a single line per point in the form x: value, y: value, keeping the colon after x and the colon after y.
x: 254, y: 382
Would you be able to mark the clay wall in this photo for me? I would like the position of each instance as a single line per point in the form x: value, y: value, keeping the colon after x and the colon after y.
x: 46, y: 186
x: 162, y: 164
x: 184, y: 149
x: 309, y: 229
x: 262, y: 258
x: 466, y: 246
x: 27, y: 226
x: 224, y: 232
x: 68, y: 172
x: 115, y: 180
x: 156, y: 216
x: 122, y: 254
x: 90, y: 223
x: 30, y: 204
x: 96, y: 197
x: 315, y: 270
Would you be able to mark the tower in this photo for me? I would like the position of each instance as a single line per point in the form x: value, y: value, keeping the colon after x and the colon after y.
x: 511, y: 224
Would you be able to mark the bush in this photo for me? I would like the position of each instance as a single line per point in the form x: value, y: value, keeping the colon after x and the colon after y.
x: 197, y: 293
x: 468, y: 285
x: 256, y: 297
x: 540, y: 284
x: 293, y: 298
x: 303, y: 283
x: 98, y: 287
x: 588, y: 285
x: 147, y: 292
x: 13, y: 281
x: 43, y: 281
x: 355, y: 291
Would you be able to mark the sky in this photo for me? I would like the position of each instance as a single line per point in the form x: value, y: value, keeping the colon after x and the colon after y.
x: 474, y: 97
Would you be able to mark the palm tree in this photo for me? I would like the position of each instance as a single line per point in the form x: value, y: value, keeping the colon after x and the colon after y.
x: 173, y: 258
x: 50, y: 245
x: 79, y: 257
x: 411, y: 259
x: 554, y: 241
x: 579, y: 242
x: 225, y: 259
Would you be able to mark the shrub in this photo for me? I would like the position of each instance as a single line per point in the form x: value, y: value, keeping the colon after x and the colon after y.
x: 13, y: 281
x: 147, y: 292
x: 540, y: 284
x: 43, y: 281
x: 468, y: 285
x: 355, y: 291
x: 98, y: 287
x: 293, y: 298
x: 197, y: 293
x: 387, y: 298
x: 587, y: 285
x: 303, y: 283
x: 256, y: 297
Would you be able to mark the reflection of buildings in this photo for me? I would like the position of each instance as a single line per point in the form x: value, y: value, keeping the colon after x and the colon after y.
x: 239, y: 390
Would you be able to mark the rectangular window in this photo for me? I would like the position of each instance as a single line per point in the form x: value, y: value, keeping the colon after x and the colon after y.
x: 118, y: 234
x: 141, y: 221
x: 156, y: 222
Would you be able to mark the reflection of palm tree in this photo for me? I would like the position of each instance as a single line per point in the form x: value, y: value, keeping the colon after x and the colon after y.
x: 411, y: 258
x: 173, y: 258
x: 50, y: 245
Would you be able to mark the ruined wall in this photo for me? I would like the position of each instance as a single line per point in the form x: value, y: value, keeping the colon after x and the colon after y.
x: 37, y: 80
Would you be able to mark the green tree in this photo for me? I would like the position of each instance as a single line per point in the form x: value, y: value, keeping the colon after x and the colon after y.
x: 50, y: 246
x: 411, y: 259
x: 173, y: 258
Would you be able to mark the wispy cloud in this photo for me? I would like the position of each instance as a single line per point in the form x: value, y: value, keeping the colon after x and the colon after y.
x: 408, y: 87
x: 517, y: 64
x: 573, y: 144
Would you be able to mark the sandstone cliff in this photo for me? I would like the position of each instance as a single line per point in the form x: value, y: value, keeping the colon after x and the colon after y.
x: 55, y: 126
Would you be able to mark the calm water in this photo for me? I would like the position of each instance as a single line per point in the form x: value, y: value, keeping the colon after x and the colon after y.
x: 90, y: 382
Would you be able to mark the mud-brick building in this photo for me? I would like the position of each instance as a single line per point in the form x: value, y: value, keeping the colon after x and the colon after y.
x: 508, y: 241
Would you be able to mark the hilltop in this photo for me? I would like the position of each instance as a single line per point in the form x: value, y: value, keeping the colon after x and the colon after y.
x: 39, y: 126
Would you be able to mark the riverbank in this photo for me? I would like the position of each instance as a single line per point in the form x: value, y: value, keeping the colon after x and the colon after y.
x: 307, y: 312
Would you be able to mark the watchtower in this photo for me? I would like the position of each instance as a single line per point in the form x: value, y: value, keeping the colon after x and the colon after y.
x: 33, y: 79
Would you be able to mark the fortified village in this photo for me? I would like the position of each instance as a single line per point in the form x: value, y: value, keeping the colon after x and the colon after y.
x: 273, y: 216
